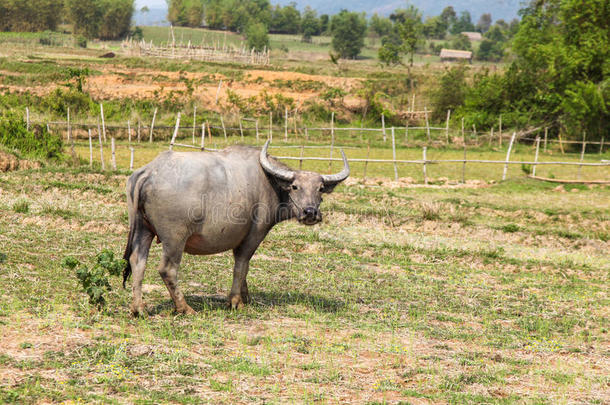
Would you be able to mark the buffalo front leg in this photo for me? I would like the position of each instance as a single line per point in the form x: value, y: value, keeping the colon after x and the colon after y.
x: 239, y: 289
x: 137, y: 260
x: 168, y: 270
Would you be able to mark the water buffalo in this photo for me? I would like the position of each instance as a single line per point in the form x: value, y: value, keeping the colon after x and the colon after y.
x: 208, y: 202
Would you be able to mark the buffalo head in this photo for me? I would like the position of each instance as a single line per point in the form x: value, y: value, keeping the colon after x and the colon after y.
x: 304, y: 188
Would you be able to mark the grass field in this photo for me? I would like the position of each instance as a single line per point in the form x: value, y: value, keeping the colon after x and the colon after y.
x: 421, y: 295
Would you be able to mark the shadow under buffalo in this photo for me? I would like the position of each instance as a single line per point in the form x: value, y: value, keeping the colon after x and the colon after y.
x: 261, y: 300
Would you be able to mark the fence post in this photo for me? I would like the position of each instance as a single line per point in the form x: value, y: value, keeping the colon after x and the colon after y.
x: 464, y: 167
x: 491, y: 135
x: 546, y: 133
x: 207, y: 124
x: 366, y: 161
x: 203, y: 136
x: 131, y: 152
x: 101, y: 149
x: 301, y: 160
x: 241, y: 129
x: 271, y: 126
x: 407, y: 132
x: 463, y: 136
x: 427, y: 123
x: 90, y: 150
x: 560, y: 143
x: 332, y: 146
x: 218, y: 90
x: 447, y: 126
x: 69, y: 129
x: 383, y: 127
x: 601, y: 146
x: 582, y: 152
x: 394, y: 156
x: 27, y: 118
x: 49, y: 128
x: 536, y: 156
x: 425, y: 160
x: 510, y: 146
x: 112, y: 147
x: 285, y: 124
x: 129, y: 131
x: 500, y: 129
x: 139, y: 129
x: 306, y: 134
x: 171, y: 144
x: 224, y: 130
x: 152, y: 126
x: 103, y: 120
x: 194, y: 122
x: 257, y: 130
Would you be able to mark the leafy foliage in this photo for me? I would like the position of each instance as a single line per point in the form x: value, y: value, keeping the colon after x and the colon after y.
x: 104, y: 19
x: 451, y: 92
x: 348, y: 30
x: 37, y: 143
x: 94, y: 279
x: 257, y: 37
x: 29, y: 15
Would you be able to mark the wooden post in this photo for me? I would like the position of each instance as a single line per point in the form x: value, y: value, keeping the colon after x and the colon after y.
x: 601, y: 146
x: 332, y: 125
x: 546, y: 133
x: 113, y: 149
x: 27, y: 118
x: 271, y: 126
x: 407, y: 132
x: 218, y: 91
x: 224, y: 130
x: 301, y: 160
x: 413, y: 103
x: 500, y: 129
x: 447, y: 126
x: 463, y: 136
x: 129, y: 131
x: 194, y: 122
x: 90, y: 149
x: 203, y: 136
x: 332, y: 145
x: 560, y: 143
x: 366, y: 161
x: 257, y: 130
x: 48, y: 128
x: 285, y: 124
x: 131, y: 152
x: 510, y: 146
x: 383, y: 127
x: 536, y: 156
x: 69, y: 128
x: 101, y: 149
x: 394, y: 156
x: 582, y: 152
x: 425, y: 162
x: 139, y: 130
x: 427, y: 123
x: 491, y: 135
x: 241, y: 129
x: 294, y: 120
x: 103, y: 121
x: 176, y: 128
x: 152, y: 126
x: 464, y: 167
x: 207, y: 124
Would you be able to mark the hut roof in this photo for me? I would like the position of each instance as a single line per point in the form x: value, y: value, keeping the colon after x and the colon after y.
x: 455, y: 54
x: 473, y: 36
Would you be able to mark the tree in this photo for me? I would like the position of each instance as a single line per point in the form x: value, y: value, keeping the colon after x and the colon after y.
x: 286, y: 20
x: 380, y: 25
x: 116, y: 18
x: 462, y: 42
x: 484, y: 23
x: 348, y: 30
x: 390, y: 51
x: 257, y: 36
x: 451, y: 92
x: 324, y: 23
x: 463, y: 24
x: 448, y: 16
x: 310, y: 25
x: 410, y: 30
x: 434, y: 27
x: 490, y: 50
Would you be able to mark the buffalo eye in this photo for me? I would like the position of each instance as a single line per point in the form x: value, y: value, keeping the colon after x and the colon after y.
x: 321, y: 188
x: 295, y: 187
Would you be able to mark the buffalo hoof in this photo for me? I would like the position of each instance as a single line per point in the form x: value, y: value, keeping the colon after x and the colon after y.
x: 245, y: 298
x: 138, y: 310
x: 235, y: 302
x: 186, y: 310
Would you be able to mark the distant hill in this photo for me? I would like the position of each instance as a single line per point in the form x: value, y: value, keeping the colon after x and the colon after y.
x: 505, y: 9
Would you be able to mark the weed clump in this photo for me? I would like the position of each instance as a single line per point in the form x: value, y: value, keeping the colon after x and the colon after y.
x: 35, y: 143
x: 94, y: 279
x: 21, y: 206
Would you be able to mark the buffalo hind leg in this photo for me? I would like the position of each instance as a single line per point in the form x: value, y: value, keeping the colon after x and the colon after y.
x: 170, y: 262
x: 137, y: 260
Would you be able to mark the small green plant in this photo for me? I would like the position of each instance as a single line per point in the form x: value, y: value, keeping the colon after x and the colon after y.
x: 94, y: 279
x: 21, y: 206
x: 2, y: 257
x: 527, y: 169
x: 510, y: 228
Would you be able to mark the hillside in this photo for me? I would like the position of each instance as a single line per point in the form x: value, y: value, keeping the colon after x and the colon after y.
x: 506, y: 9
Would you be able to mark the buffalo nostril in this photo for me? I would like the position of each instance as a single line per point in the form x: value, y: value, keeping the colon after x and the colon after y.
x: 310, y: 212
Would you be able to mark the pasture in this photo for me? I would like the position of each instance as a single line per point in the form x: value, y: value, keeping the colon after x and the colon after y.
x: 474, y: 294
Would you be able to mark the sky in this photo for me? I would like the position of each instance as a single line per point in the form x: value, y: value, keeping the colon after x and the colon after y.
x: 151, y: 3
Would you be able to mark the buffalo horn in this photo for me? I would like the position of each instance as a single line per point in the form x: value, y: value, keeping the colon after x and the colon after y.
x: 330, y: 179
x: 279, y: 172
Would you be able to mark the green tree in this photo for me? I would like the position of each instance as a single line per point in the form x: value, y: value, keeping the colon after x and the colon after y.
x: 462, y: 42
x: 380, y: 25
x: 463, y: 24
x: 434, y: 27
x: 348, y: 30
x: 450, y: 93
x: 257, y: 36
x: 310, y: 24
x: 484, y: 23
x: 324, y: 23
x: 286, y: 20
x: 30, y: 15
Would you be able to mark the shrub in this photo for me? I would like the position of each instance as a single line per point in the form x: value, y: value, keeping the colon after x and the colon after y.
x: 94, y: 279
x: 37, y: 143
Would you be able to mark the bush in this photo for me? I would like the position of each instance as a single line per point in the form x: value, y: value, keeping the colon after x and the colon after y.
x: 37, y: 143
x: 257, y: 36
x: 94, y: 280
x: 450, y: 93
